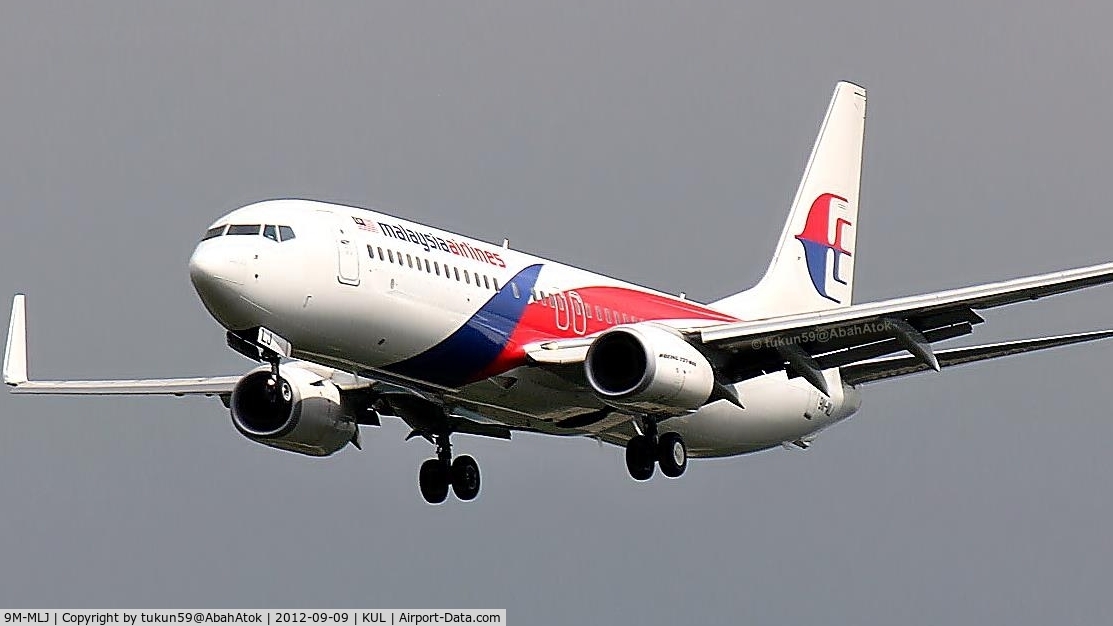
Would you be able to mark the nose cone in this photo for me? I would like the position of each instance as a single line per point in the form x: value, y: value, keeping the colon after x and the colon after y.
x: 218, y: 277
x: 212, y: 261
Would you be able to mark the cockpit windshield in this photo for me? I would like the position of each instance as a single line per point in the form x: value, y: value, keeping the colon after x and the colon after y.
x: 215, y: 231
x: 270, y: 231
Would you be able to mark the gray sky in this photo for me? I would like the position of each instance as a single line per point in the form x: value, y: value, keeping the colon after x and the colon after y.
x: 658, y: 142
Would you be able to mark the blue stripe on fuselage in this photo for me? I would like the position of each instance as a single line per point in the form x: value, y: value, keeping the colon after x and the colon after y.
x: 475, y: 345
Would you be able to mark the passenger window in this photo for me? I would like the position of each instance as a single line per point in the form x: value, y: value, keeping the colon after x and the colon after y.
x: 514, y: 288
x: 559, y: 303
x: 243, y: 229
x: 401, y: 261
x: 270, y: 232
x: 382, y: 257
x: 625, y: 320
x: 607, y: 312
x: 467, y: 277
x: 437, y: 268
x: 428, y: 270
x: 286, y: 233
x: 587, y: 310
x: 215, y: 231
x: 552, y: 301
x: 456, y: 271
x: 410, y: 261
x: 391, y: 254
x: 486, y: 283
x: 598, y: 313
x: 495, y: 282
x: 371, y: 252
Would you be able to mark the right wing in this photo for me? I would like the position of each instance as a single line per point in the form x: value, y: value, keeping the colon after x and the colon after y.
x: 406, y: 401
x: 15, y: 372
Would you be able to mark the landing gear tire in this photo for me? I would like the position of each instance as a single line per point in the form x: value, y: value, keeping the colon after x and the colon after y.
x: 672, y: 455
x: 640, y: 457
x: 433, y: 481
x: 278, y: 389
x: 465, y: 478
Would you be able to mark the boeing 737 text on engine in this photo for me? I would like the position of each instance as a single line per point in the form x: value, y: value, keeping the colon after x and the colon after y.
x: 353, y: 314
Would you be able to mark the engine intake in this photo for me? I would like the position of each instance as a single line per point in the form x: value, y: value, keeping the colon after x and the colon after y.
x: 648, y: 368
x: 302, y: 414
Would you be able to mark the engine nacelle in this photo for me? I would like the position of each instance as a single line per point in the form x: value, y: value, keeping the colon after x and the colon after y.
x: 648, y: 368
x: 302, y: 415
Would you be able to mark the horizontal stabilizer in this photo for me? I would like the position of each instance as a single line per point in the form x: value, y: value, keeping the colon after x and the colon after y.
x: 893, y: 367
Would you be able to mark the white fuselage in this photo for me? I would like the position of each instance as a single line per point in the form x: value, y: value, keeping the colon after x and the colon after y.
x: 375, y: 295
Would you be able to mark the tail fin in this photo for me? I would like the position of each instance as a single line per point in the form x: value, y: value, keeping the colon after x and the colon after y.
x: 813, y: 266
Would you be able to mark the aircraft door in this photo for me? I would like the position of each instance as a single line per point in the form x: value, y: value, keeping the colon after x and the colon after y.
x: 579, y: 316
x: 347, y: 260
x: 561, y: 308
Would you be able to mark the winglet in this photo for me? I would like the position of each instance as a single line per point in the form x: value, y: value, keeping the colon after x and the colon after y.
x: 15, y: 352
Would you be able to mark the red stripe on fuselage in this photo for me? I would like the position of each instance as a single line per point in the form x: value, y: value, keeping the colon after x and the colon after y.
x: 541, y: 321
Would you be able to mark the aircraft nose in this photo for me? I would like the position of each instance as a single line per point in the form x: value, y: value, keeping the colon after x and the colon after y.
x: 217, y: 275
x: 212, y: 263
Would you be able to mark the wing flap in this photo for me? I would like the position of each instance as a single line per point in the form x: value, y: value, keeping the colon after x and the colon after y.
x: 893, y: 367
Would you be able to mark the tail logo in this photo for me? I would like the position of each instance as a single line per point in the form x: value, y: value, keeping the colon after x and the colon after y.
x: 818, y: 246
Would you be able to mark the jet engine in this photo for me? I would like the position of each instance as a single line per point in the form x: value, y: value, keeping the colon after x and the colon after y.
x: 650, y: 369
x: 301, y: 413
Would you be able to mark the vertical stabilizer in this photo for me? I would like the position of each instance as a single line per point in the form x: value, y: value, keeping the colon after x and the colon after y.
x: 813, y: 265
x: 15, y: 351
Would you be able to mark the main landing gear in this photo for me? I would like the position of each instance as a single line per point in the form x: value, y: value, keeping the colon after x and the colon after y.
x: 437, y: 475
x: 646, y: 450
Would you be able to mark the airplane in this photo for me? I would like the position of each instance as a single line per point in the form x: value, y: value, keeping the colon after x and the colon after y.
x: 353, y: 314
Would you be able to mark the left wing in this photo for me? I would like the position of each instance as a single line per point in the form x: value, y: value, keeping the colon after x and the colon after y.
x: 893, y: 367
x: 955, y: 304
x: 807, y: 343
